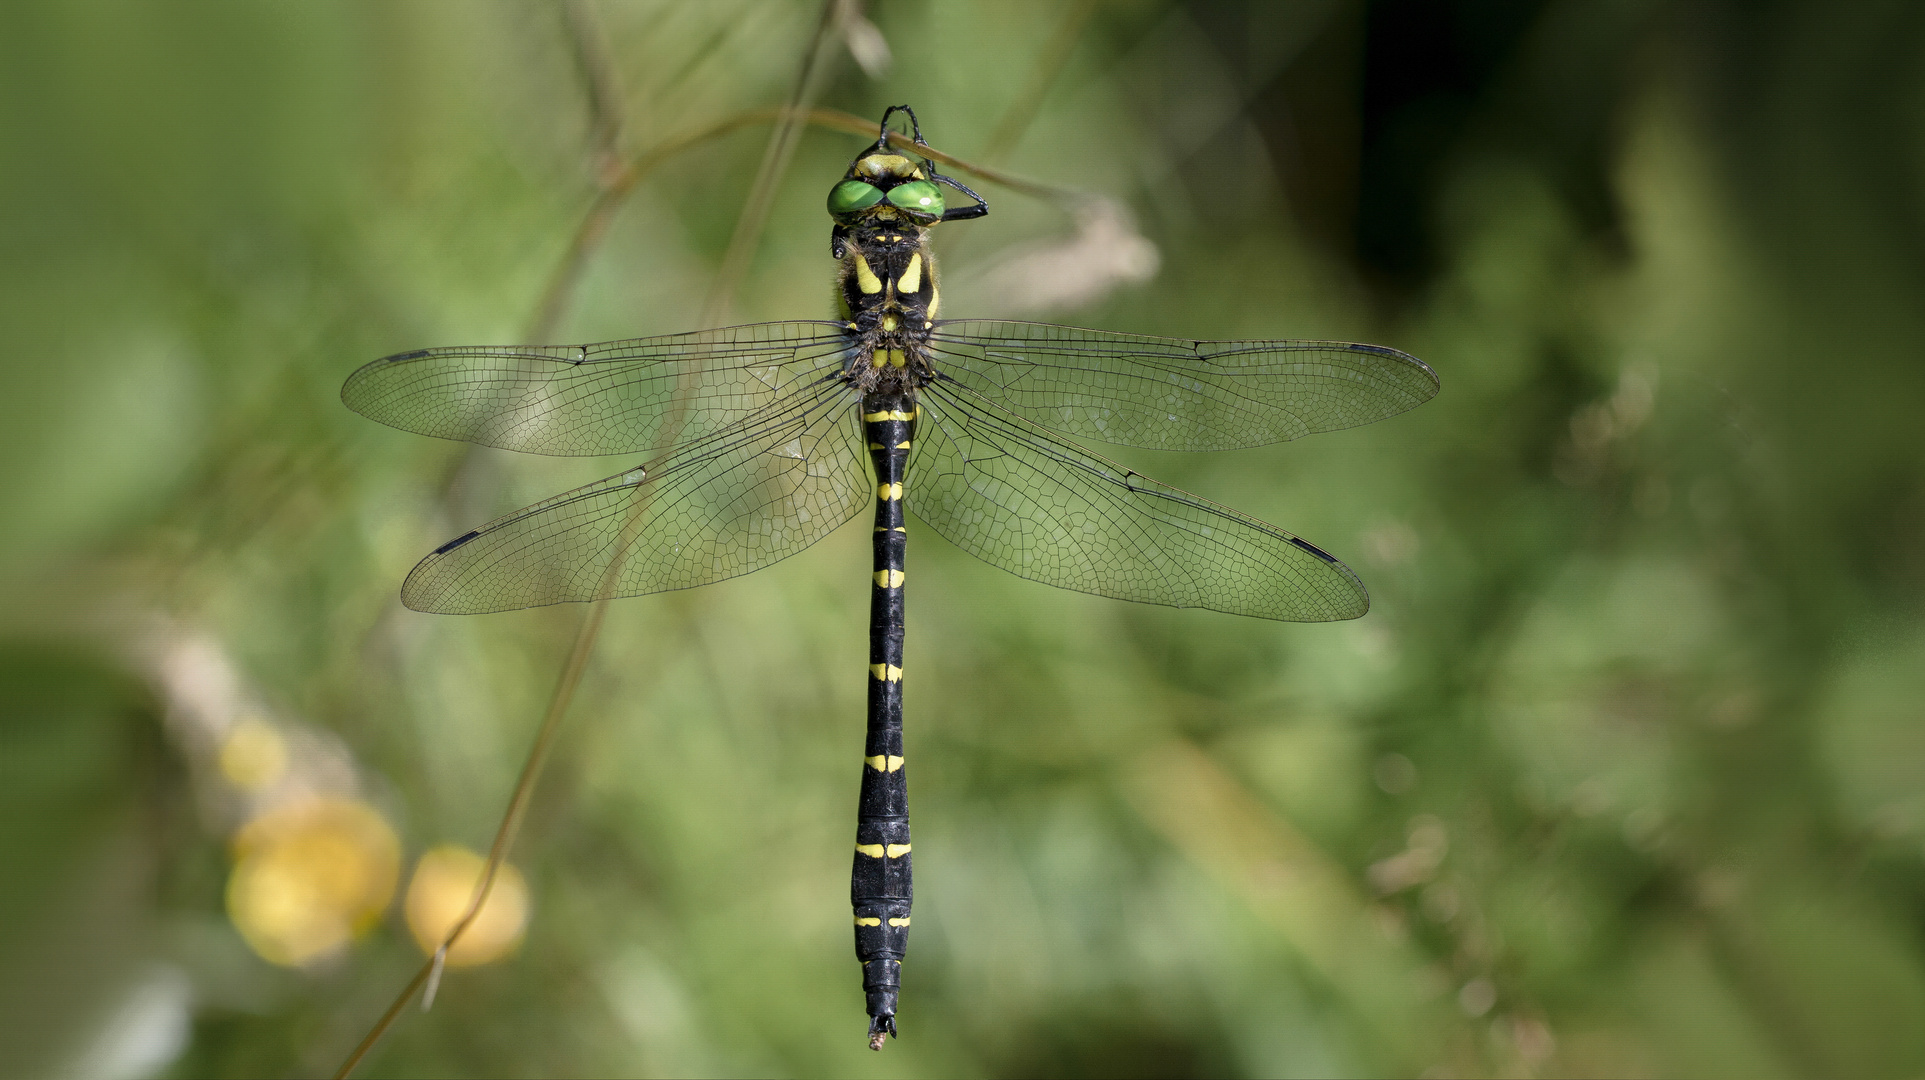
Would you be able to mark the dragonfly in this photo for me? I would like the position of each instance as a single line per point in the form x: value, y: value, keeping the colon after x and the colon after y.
x: 759, y: 433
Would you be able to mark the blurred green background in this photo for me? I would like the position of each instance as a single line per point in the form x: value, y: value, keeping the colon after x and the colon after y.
x: 1624, y: 775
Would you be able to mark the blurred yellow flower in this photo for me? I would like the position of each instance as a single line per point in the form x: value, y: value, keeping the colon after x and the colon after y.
x: 310, y: 876
x: 444, y: 882
x: 254, y: 755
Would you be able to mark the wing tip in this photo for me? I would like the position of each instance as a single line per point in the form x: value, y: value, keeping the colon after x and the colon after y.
x: 1429, y: 372
x: 1314, y: 550
x: 349, y: 389
x: 1360, y: 605
x: 428, y: 599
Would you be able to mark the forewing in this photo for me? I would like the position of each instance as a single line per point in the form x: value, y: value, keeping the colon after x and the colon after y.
x: 1018, y: 498
x: 618, y: 397
x: 718, y: 507
x: 1172, y: 394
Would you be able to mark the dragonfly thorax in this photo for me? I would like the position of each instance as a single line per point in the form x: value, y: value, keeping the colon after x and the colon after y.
x: 888, y: 294
x: 887, y: 270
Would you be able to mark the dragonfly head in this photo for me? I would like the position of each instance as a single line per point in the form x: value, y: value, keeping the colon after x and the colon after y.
x: 885, y: 185
x: 882, y: 184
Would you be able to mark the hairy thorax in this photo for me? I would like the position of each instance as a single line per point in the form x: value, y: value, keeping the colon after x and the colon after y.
x: 888, y: 295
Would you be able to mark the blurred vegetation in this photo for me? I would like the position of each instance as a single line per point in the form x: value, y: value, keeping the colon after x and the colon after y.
x: 1623, y: 775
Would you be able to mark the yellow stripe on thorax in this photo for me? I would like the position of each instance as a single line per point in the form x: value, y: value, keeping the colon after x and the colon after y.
x: 866, y: 279
x: 911, y: 280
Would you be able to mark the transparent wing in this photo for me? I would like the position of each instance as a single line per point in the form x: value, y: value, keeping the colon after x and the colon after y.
x: 1172, y: 394
x: 1023, y: 500
x: 618, y: 397
x: 721, y: 506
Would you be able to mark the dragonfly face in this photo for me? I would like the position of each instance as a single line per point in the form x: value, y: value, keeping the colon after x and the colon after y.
x: 758, y: 435
x: 883, y: 186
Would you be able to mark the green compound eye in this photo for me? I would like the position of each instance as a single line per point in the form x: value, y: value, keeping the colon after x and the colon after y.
x: 917, y: 196
x: 851, y: 196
